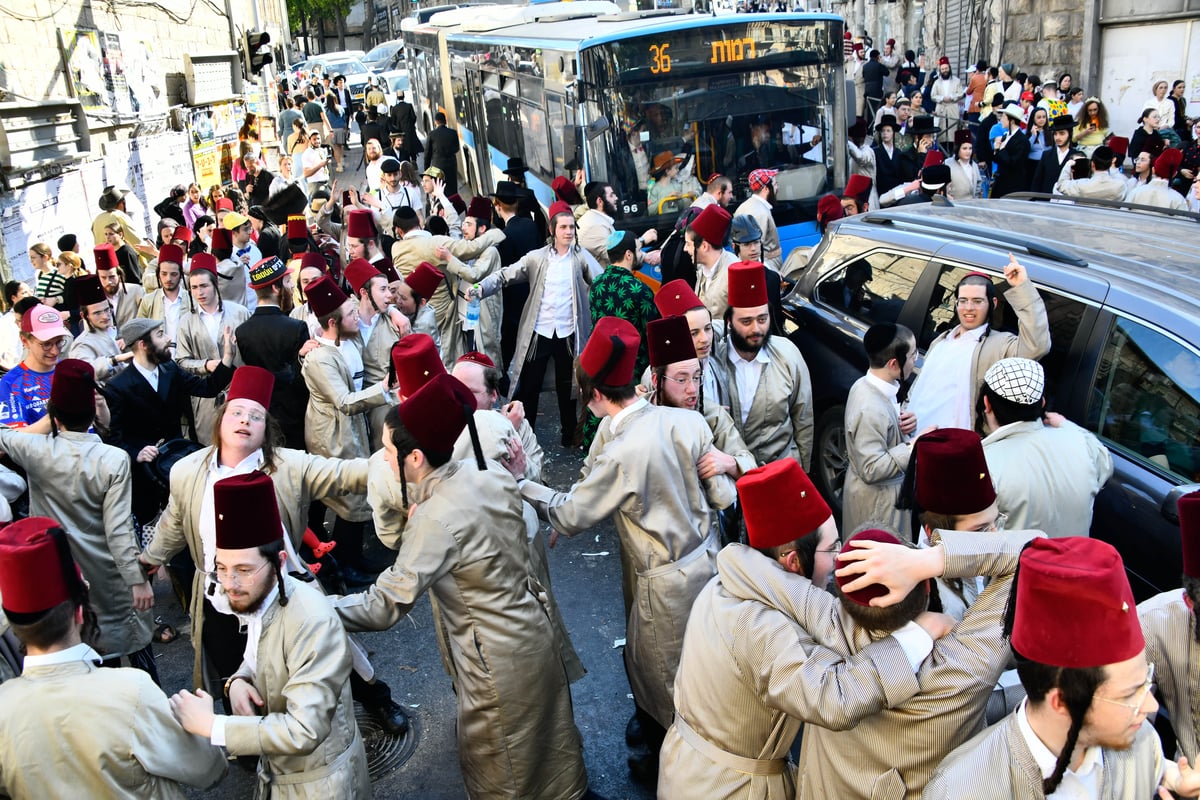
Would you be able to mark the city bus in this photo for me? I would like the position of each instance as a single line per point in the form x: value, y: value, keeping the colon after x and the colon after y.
x: 584, y: 85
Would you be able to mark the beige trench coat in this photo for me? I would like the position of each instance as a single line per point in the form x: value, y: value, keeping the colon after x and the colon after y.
x: 997, y: 765
x: 780, y: 422
x: 532, y: 269
x: 299, y: 478
x: 97, y: 348
x: 409, y: 252
x: 726, y: 436
x: 491, y: 309
x: 84, y: 484
x: 335, y: 423
x: 1047, y: 478
x: 1171, y: 646
x: 466, y: 545
x: 878, y: 456
x: 750, y: 675
x: 644, y: 477
x: 76, y: 730
x: 376, y: 352
x: 308, y: 738
x: 193, y: 348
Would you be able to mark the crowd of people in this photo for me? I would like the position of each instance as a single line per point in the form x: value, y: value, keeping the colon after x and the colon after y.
x: 1003, y: 131
x: 241, y: 401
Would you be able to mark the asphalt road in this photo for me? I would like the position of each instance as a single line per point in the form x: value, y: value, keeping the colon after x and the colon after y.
x: 586, y: 576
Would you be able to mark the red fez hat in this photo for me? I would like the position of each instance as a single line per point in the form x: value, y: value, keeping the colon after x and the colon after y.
x: 481, y: 209
x: 1119, y: 145
x: 89, y: 290
x: 1074, y: 608
x: 858, y: 188
x: 252, y: 383
x: 324, y: 296
x: 358, y: 272
x: 676, y: 298
x: 558, y: 207
x: 891, y: 42
x: 360, y: 224
x: 1167, y: 164
x: 182, y: 234
x: 943, y: 61
x: 476, y: 357
x: 962, y: 136
x: 245, y: 512
x: 37, y: 571
x: 458, y: 203
x: 105, y: 256
x: 416, y: 361
x: 610, y: 353
x: 311, y: 258
x: 224, y: 204
x: 934, y: 157
x: 952, y: 473
x: 172, y: 253
x: 712, y: 225
x: 770, y: 523
x: 72, y: 388
x: 1189, y: 532
x: 864, y: 596
x: 565, y: 190
x: 425, y: 279
x: 206, y: 262
x: 267, y: 271
x: 297, y: 228
x: 829, y: 209
x: 437, y: 413
x: 221, y: 239
x: 747, y: 284
x: 669, y: 340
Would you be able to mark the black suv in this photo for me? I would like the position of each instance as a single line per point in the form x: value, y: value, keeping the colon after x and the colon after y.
x: 1122, y: 291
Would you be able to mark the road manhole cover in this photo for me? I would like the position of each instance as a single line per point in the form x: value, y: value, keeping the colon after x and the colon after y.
x: 386, y: 753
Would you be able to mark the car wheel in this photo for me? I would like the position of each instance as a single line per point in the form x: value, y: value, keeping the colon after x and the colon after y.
x: 830, y: 456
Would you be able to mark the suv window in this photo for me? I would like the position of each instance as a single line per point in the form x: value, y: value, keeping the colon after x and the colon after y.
x: 874, y: 287
x: 1147, y: 398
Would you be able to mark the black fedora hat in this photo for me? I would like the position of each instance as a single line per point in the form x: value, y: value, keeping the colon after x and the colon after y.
x: 516, y: 166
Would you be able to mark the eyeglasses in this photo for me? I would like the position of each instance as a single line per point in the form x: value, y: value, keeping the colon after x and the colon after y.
x: 694, y: 380
x: 102, y: 312
x: 991, y: 527
x: 51, y: 346
x: 1143, y: 693
x: 237, y: 575
x: 253, y: 416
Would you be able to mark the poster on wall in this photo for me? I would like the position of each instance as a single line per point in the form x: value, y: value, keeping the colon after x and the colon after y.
x: 42, y: 212
x: 114, y: 73
x: 143, y: 76
x: 86, y: 62
x: 213, y: 131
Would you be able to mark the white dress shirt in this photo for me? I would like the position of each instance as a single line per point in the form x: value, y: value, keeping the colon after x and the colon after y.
x: 556, y: 316
x: 151, y: 375
x: 746, y: 375
x: 942, y: 395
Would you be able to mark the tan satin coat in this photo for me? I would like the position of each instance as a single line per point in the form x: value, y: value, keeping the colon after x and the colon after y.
x: 309, y: 742
x: 644, y: 477
x: 878, y: 456
x: 299, y: 478
x: 194, y: 348
x: 335, y: 423
x: 84, y: 484
x: 75, y: 730
x: 97, y: 349
x: 466, y: 545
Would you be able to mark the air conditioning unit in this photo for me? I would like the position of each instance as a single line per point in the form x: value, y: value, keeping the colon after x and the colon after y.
x: 38, y: 134
x: 212, y: 78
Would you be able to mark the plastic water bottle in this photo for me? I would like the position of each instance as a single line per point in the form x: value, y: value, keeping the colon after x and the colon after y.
x: 472, y: 321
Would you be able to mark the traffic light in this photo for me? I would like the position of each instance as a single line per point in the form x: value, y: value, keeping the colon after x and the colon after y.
x: 257, y: 45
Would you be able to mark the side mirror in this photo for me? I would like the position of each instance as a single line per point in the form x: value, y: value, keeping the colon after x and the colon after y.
x: 1170, y: 504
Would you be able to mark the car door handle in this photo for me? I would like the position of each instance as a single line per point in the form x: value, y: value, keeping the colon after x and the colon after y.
x: 1170, y: 503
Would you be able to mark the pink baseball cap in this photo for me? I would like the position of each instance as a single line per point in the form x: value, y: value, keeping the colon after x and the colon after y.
x: 44, y: 323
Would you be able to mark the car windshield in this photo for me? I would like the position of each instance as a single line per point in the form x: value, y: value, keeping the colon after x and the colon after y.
x: 398, y: 83
x: 345, y: 68
x: 383, y: 51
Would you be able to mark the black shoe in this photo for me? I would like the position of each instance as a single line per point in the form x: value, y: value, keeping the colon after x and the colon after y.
x: 643, y: 769
x: 633, y: 732
x: 391, y: 718
x: 354, y: 577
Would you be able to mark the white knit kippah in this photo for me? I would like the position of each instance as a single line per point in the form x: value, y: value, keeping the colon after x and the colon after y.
x: 1020, y: 380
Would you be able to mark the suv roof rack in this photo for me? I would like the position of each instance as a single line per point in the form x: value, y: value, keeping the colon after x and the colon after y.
x: 1097, y: 202
x: 1031, y: 246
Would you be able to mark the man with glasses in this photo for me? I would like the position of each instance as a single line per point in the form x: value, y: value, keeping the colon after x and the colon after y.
x: 25, y: 389
x: 1046, y: 474
x: 124, y: 297
x: 956, y: 361
x: 1083, y: 730
x: 99, y: 344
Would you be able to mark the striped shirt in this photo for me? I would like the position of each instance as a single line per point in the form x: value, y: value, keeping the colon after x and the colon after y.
x: 1169, y: 628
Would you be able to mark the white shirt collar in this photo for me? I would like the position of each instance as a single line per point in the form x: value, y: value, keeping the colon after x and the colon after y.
x: 1093, y: 757
x: 78, y: 652
x: 151, y: 375
x: 974, y: 335
x: 889, y: 390
x: 761, y: 356
x: 418, y: 233
x: 616, y: 419
x: 247, y: 464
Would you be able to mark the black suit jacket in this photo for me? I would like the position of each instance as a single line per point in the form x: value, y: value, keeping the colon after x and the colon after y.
x: 441, y: 148
x: 272, y: 340
x: 1048, y: 169
x: 1012, y: 166
x: 403, y: 119
x: 142, y: 416
x: 891, y: 172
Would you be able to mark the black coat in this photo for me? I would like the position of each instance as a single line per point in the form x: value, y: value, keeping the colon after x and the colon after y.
x: 1045, y: 175
x: 1012, y: 166
x: 403, y: 119
x: 272, y: 340
x: 441, y: 151
x: 893, y: 171
x: 142, y: 416
x: 376, y: 130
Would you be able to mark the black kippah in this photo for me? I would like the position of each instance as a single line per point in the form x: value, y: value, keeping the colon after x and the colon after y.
x: 879, y: 336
